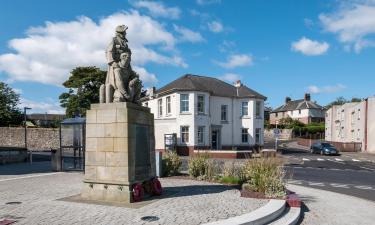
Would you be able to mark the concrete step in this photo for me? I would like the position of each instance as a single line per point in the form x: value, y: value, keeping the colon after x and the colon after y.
x: 289, y: 217
x: 266, y: 214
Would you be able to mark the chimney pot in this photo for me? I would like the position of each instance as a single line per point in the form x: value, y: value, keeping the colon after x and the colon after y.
x: 287, y: 99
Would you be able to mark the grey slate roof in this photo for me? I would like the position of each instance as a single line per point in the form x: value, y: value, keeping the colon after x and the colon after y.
x: 212, y: 85
x: 296, y: 105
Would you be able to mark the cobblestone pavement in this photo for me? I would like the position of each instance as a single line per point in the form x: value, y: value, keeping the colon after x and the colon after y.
x: 194, y: 202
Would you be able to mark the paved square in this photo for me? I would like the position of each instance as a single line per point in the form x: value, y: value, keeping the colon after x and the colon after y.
x: 194, y: 202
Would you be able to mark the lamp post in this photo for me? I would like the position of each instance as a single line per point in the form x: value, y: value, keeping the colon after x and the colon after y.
x: 25, y: 125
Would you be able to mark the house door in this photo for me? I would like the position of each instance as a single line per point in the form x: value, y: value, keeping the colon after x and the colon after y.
x: 215, y: 139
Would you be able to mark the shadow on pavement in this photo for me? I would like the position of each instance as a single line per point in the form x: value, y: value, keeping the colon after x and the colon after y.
x: 304, y: 209
x: 26, y: 168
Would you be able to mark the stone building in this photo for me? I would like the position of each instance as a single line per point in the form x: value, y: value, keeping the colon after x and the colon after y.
x: 352, y: 125
x: 207, y: 113
x: 304, y: 110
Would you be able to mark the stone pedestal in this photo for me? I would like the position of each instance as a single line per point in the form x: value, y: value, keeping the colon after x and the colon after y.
x: 120, y: 150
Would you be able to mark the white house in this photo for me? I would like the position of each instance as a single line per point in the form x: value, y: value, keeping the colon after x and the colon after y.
x: 207, y: 113
x: 303, y: 110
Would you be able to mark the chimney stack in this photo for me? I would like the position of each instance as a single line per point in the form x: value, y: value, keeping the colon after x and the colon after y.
x: 151, y: 92
x: 237, y: 84
x: 287, y: 100
x: 307, y: 97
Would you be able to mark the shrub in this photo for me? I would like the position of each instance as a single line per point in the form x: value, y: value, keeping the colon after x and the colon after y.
x: 201, y: 167
x: 197, y: 165
x: 265, y: 176
x: 231, y: 169
x: 171, y: 164
x: 230, y: 180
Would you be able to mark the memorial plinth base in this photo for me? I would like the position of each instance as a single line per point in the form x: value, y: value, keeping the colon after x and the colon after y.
x: 120, y: 151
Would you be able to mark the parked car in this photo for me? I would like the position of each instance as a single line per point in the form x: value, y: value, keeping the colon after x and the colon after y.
x: 323, y: 148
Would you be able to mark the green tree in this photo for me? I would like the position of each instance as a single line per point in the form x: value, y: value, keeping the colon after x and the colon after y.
x: 9, y: 111
x: 354, y: 99
x: 83, y: 85
x: 339, y: 101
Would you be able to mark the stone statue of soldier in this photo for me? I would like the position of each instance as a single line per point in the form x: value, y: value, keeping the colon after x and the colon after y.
x: 122, y: 83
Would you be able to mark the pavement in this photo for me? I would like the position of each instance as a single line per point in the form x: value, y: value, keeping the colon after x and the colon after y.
x: 324, y: 207
x: 351, y: 174
x: 36, y: 199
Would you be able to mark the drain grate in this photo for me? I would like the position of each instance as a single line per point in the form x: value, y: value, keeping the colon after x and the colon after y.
x: 13, y: 203
x: 150, y: 218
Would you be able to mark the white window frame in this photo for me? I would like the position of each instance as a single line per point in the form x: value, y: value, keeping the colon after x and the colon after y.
x: 160, y: 107
x: 244, y: 131
x: 184, y: 103
x: 244, y: 105
x: 258, y: 107
x: 200, y: 109
x: 200, y: 134
x: 224, y: 110
x: 184, y: 139
x: 257, y: 135
x: 168, y: 108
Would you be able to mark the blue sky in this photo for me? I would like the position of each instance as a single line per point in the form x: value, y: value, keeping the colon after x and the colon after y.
x: 278, y: 48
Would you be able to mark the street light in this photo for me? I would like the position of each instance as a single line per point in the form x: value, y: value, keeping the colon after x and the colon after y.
x: 25, y: 125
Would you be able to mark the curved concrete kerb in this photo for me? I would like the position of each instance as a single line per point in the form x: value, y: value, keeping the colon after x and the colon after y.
x: 263, y: 215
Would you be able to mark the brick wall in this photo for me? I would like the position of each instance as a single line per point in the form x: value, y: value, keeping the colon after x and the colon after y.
x: 37, y: 138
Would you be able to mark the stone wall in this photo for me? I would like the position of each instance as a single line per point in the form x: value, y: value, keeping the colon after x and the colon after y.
x: 37, y: 138
x: 285, y: 134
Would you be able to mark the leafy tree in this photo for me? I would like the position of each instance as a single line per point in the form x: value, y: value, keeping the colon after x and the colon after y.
x: 9, y: 111
x: 339, y: 101
x: 354, y: 99
x: 83, y: 84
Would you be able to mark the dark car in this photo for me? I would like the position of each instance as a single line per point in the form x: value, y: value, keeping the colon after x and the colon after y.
x: 324, y: 148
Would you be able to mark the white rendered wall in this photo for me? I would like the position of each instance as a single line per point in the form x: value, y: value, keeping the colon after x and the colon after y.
x: 371, y: 125
x: 230, y: 129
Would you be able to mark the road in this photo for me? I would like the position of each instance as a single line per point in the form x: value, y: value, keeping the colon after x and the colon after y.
x: 348, y: 174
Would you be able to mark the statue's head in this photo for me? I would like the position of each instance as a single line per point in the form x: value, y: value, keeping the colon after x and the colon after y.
x: 121, y: 31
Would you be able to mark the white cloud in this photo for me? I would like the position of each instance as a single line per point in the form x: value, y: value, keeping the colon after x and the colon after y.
x: 147, y: 77
x: 227, y: 46
x: 188, y: 35
x: 42, y: 107
x: 158, y: 9
x: 354, y: 23
x: 310, y: 47
x: 208, y: 2
x: 326, y: 89
x: 215, y: 26
x: 236, y: 61
x: 308, y: 22
x: 231, y: 77
x: 48, y: 53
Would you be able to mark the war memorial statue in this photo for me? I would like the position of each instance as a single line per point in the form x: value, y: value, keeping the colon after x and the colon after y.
x: 122, y: 83
x: 120, y: 140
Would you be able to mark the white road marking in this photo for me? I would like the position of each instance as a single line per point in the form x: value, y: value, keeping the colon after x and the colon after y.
x: 32, y: 176
x: 304, y: 159
x: 339, y: 185
x: 316, y: 184
x: 319, y: 159
x: 356, y: 160
x: 340, y: 160
x: 366, y: 168
x: 295, y: 182
x: 364, y: 187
